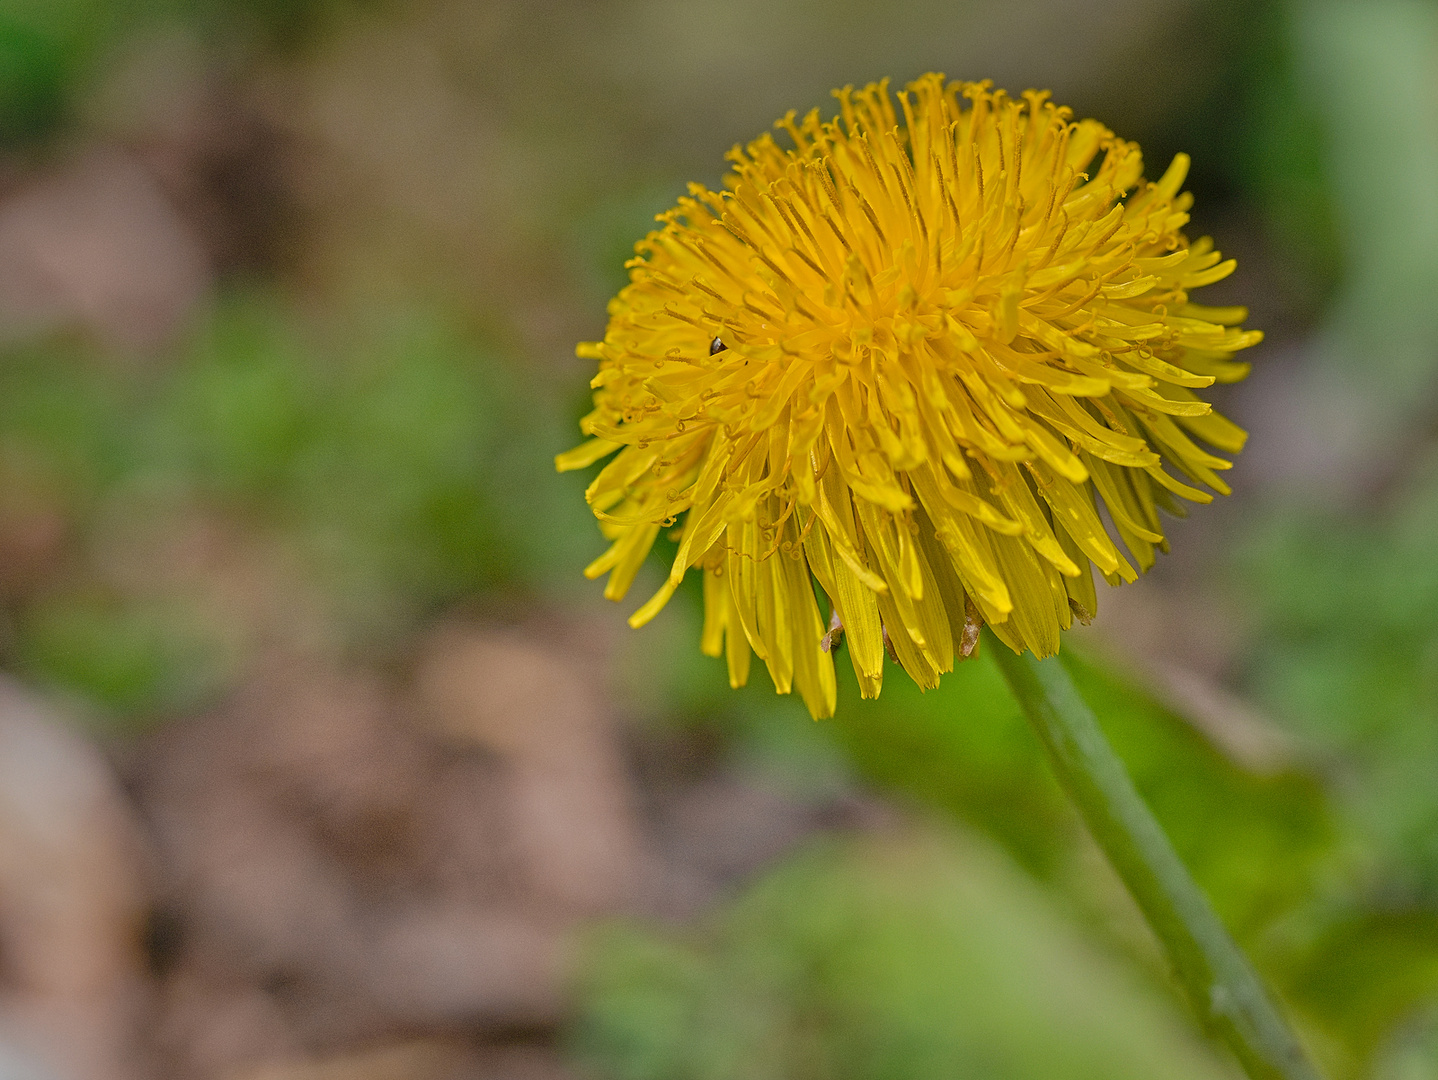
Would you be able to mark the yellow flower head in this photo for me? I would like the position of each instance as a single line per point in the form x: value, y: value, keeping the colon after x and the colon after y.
x: 906, y: 359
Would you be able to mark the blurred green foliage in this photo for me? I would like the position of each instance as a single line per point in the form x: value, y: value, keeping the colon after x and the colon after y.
x: 382, y: 461
x: 1277, y: 150
x: 1261, y: 153
x: 50, y: 50
x: 903, y: 956
x: 129, y: 660
x: 1350, y: 659
x: 1253, y: 842
x: 1347, y: 654
x: 46, y: 47
x: 400, y: 463
x: 1260, y: 845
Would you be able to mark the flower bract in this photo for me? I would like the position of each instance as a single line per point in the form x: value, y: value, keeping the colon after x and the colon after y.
x: 913, y: 357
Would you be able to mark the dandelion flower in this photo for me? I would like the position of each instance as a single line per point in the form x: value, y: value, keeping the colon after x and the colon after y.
x: 907, y: 360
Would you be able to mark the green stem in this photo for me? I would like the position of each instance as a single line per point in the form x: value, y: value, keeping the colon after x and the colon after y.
x: 1223, y: 987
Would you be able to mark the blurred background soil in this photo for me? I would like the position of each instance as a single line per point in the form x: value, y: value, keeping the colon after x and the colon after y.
x: 319, y: 758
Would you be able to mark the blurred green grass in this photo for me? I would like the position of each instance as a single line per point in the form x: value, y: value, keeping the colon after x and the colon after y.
x: 404, y: 469
x: 919, y: 953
